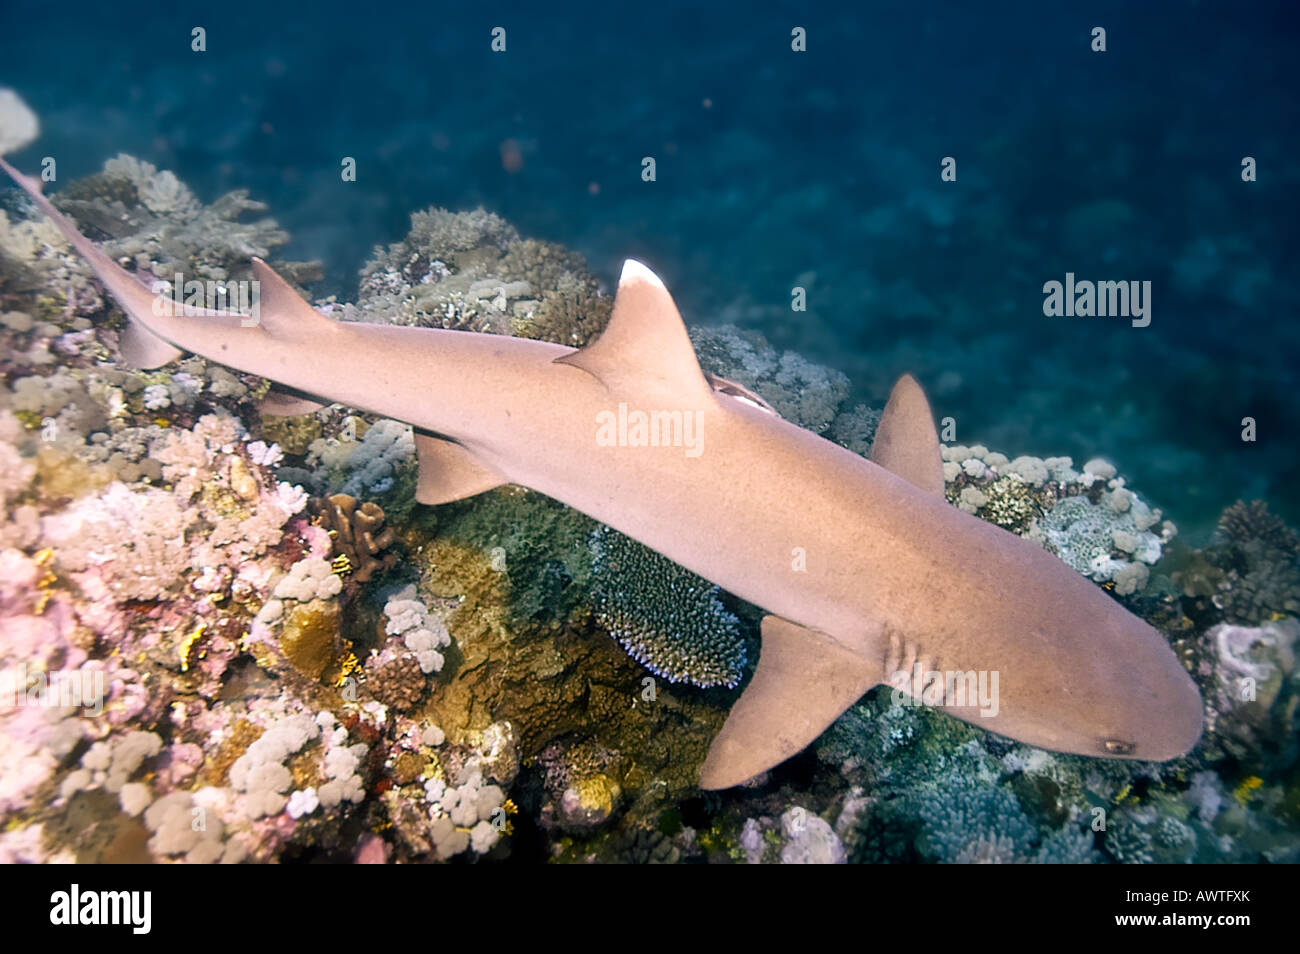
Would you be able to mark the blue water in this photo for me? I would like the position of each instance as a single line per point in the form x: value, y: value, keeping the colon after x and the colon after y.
x: 776, y: 169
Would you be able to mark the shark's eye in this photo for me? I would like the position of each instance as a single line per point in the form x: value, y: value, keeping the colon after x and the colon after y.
x: 1118, y: 746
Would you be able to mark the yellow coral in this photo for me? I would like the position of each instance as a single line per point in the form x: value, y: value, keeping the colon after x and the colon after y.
x: 349, y: 665
x: 46, y: 580
x: 188, y: 644
x: 1246, y: 789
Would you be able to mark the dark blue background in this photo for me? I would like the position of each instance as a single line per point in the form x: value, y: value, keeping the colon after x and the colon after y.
x: 819, y: 168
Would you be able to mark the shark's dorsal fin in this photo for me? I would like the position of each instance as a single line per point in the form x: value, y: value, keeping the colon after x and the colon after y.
x: 645, y: 340
x: 906, y: 443
x: 282, y: 310
x: 804, y: 681
x: 450, y: 472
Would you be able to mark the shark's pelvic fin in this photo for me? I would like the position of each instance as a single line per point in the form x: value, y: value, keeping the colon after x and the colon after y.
x: 450, y: 472
x: 906, y: 443
x: 143, y: 349
x: 645, y: 340
x: 804, y: 681
x: 284, y: 402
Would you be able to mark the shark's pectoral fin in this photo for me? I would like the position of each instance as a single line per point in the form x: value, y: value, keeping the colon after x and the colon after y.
x: 143, y: 349
x: 285, y: 402
x: 449, y: 472
x: 644, y: 342
x: 804, y: 681
x: 906, y: 443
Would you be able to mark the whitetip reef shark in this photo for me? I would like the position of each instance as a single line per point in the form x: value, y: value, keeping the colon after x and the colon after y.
x: 864, y: 568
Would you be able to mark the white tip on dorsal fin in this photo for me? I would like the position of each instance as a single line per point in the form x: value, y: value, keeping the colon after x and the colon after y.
x: 804, y: 682
x: 450, y: 472
x: 282, y: 309
x: 645, y: 340
x: 906, y: 443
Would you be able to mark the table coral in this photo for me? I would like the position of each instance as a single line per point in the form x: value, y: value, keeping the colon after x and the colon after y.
x: 670, y: 620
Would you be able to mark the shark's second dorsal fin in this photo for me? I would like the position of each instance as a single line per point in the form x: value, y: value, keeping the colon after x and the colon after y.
x: 804, y: 681
x: 645, y: 340
x: 283, y: 310
x: 906, y: 443
x: 450, y: 472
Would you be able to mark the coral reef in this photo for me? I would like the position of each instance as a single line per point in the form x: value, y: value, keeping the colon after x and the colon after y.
x: 233, y: 639
x: 802, y: 392
x: 471, y: 271
x: 1251, y: 572
x: 1090, y: 519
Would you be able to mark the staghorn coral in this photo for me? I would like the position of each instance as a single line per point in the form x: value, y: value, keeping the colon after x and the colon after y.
x: 153, y: 220
x: 1243, y: 523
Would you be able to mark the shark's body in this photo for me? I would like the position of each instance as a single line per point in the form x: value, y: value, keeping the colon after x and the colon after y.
x: 862, y: 564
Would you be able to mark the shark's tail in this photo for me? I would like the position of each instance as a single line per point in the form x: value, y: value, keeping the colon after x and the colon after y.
x: 139, y: 346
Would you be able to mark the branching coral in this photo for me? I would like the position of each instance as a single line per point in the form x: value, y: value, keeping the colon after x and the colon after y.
x: 358, y: 533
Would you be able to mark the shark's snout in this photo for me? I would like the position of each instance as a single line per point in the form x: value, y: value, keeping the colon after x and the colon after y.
x: 1156, y: 710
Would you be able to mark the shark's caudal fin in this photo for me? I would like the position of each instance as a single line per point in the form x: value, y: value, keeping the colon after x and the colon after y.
x: 139, y: 346
x: 281, y: 310
x: 645, y: 341
x: 804, y: 681
x: 906, y: 443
